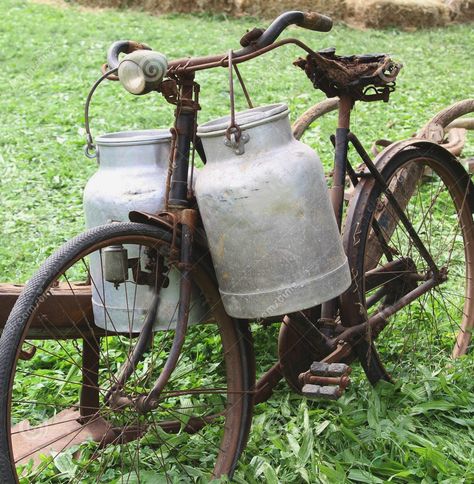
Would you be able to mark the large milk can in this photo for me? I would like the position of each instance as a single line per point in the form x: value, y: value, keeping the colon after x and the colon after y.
x: 271, y: 228
x: 131, y: 176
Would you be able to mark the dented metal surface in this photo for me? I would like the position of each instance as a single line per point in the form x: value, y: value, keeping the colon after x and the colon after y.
x: 254, y: 203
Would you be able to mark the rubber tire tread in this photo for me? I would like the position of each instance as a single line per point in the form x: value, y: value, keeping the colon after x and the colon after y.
x: 373, y: 366
x: 30, y: 296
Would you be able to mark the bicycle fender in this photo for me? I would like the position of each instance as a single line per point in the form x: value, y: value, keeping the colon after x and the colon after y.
x: 159, y: 220
x: 394, y: 149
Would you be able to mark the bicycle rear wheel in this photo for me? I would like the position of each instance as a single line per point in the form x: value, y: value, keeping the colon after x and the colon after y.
x: 436, y: 195
x: 64, y: 412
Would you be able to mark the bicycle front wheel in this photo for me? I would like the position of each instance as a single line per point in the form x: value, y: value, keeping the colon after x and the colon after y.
x: 67, y: 413
x: 435, y: 194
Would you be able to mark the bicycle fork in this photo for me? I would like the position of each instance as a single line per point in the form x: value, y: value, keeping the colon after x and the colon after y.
x: 148, y: 402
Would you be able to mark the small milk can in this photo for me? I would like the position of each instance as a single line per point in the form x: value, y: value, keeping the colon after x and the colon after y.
x: 131, y: 176
x: 271, y: 228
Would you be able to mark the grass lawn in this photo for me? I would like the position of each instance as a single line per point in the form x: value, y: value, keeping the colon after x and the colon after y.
x: 421, y: 432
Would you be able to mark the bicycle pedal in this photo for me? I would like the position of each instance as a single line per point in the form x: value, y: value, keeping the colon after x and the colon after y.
x: 327, y: 392
x: 319, y: 368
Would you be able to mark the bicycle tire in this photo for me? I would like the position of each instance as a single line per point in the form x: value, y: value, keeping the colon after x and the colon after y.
x: 427, y: 207
x: 235, y: 337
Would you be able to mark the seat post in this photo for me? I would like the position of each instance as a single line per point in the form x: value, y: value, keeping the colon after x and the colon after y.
x: 346, y: 102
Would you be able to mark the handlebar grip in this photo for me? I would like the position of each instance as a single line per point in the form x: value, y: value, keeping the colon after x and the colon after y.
x: 123, y: 47
x: 316, y: 21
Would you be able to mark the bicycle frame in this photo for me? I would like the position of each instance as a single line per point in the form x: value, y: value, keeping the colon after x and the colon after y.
x: 184, y: 132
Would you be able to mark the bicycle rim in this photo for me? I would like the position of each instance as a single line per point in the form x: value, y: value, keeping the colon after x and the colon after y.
x: 422, y: 338
x: 59, y: 420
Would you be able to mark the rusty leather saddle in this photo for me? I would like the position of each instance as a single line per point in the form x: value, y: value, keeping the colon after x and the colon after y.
x: 367, y: 77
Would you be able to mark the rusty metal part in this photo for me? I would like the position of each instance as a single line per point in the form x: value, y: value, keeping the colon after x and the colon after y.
x: 397, y: 208
x: 166, y: 220
x: 343, y: 353
x: 434, y: 130
x: 251, y: 36
x: 376, y: 323
x: 169, y: 221
x: 173, y: 148
x: 300, y: 342
x: 455, y: 140
x: 185, y: 127
x: 89, y: 399
x: 188, y: 226
x: 364, y: 78
x: 267, y: 383
x: 109, y: 73
x: 232, y: 123
x: 27, y: 354
x: 462, y: 123
x: 346, y: 103
x: 243, y: 86
x: 316, y: 21
x: 169, y: 89
x: 313, y: 113
x: 194, y: 64
x: 449, y: 129
x: 325, y: 380
x: 61, y: 432
x: 379, y: 144
x: 341, y: 381
x: 393, y: 270
x: 196, y: 146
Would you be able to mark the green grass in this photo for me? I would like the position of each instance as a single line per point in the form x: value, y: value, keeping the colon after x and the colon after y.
x: 422, y: 432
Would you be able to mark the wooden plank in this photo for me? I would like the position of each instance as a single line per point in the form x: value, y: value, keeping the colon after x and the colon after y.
x: 64, y: 313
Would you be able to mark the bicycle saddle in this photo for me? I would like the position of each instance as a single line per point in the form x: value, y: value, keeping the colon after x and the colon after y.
x: 367, y: 77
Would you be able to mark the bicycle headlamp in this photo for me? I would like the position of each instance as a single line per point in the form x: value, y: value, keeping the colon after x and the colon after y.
x: 142, y: 71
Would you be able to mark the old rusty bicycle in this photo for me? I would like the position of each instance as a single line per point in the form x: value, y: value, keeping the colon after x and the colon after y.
x: 177, y: 400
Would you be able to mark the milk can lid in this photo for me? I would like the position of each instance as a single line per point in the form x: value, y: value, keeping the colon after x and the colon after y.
x: 141, y: 137
x: 245, y: 119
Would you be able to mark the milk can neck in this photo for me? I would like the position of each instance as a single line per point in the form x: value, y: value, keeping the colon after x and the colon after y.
x: 254, y: 142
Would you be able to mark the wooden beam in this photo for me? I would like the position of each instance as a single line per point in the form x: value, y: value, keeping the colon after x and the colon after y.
x: 65, y: 313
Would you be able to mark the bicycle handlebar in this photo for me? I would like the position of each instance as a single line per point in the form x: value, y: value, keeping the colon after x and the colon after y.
x: 307, y: 20
x: 123, y: 47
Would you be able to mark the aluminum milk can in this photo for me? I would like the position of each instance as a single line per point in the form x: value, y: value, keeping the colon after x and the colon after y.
x: 271, y: 228
x: 131, y: 176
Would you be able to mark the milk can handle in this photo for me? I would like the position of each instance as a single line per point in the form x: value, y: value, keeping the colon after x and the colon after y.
x: 235, y: 139
x: 233, y: 127
x: 90, y: 149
